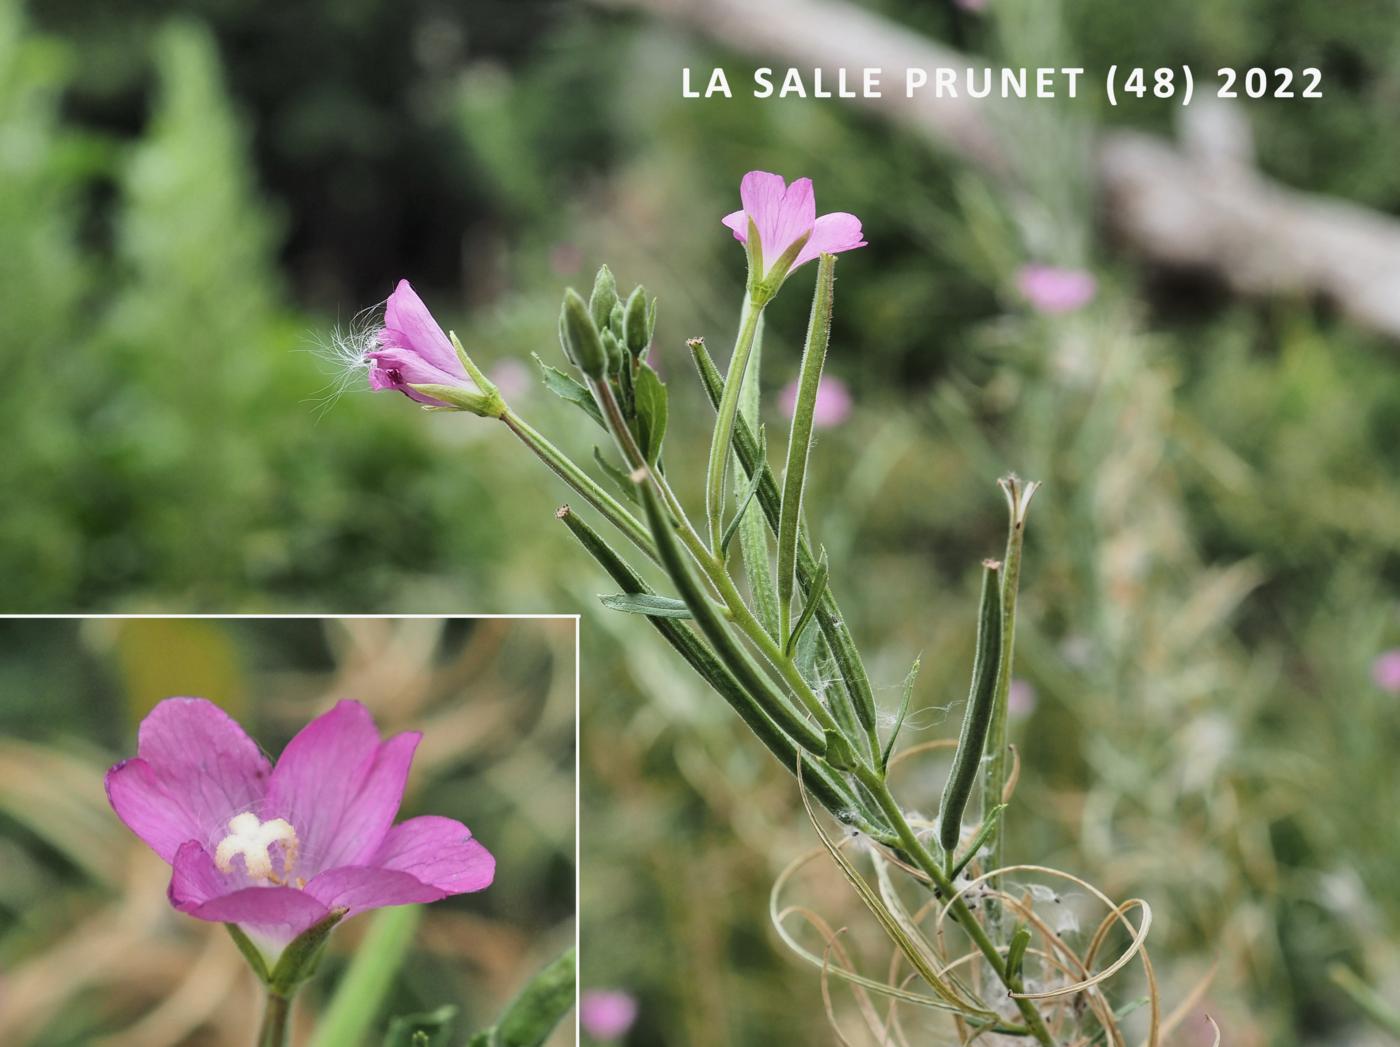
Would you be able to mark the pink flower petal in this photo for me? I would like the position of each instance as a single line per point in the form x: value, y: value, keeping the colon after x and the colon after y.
x: 437, y: 851
x: 738, y: 221
x: 412, y: 368
x: 794, y: 219
x: 195, y: 769
x: 275, y: 913
x: 409, y: 325
x: 359, y: 888
x: 832, y: 234
x: 339, y: 787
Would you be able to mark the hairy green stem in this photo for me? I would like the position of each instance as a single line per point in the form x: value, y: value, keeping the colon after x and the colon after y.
x: 724, y: 421
x: 275, y: 1019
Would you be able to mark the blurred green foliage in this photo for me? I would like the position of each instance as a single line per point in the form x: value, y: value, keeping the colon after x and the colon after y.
x: 190, y: 204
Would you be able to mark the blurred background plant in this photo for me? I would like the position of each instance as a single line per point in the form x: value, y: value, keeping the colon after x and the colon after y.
x: 1211, y: 568
x: 90, y: 949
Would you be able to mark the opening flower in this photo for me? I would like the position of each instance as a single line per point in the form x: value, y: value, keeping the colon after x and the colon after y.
x: 275, y: 849
x: 417, y: 359
x: 832, y: 407
x: 1051, y: 289
x: 606, y: 1014
x: 784, y: 215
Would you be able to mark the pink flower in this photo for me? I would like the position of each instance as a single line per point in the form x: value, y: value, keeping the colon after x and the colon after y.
x: 783, y: 214
x: 606, y: 1014
x: 1050, y: 289
x: 1385, y: 670
x: 833, y: 404
x: 413, y: 350
x: 275, y: 849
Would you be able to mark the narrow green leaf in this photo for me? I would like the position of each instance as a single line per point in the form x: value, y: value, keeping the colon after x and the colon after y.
x: 1016, y: 954
x: 974, y: 845
x: 978, y: 714
x: 648, y: 604
x: 903, y: 711
x: 744, y: 499
x: 568, y: 388
x: 800, y: 435
x: 617, y: 476
x: 809, y: 607
x: 839, y: 754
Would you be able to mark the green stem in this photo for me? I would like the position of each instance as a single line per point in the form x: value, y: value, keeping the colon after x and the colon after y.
x: 880, y: 790
x: 274, y: 1024
x: 724, y: 421
x: 563, y: 466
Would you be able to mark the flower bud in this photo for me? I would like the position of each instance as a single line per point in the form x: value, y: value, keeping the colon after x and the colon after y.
x: 639, y: 322
x: 582, y: 343
x: 604, y: 297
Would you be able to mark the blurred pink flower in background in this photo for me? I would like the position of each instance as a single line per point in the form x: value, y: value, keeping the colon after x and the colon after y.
x: 975, y: 6
x: 833, y: 404
x: 1385, y: 670
x: 606, y: 1014
x: 1051, y: 289
x: 1020, y: 698
x: 784, y: 213
x: 512, y: 378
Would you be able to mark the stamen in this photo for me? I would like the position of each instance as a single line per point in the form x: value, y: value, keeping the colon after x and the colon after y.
x: 252, y: 838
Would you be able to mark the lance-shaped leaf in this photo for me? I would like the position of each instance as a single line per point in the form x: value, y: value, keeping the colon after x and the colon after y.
x: 647, y: 603
x: 568, y: 388
x: 650, y: 405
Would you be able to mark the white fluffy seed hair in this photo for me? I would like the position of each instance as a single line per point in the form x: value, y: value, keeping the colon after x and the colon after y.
x: 343, y: 351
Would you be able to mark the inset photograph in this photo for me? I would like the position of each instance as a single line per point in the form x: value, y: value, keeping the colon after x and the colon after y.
x: 287, y: 832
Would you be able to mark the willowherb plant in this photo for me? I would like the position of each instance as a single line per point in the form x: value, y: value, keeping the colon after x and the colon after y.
x: 989, y: 946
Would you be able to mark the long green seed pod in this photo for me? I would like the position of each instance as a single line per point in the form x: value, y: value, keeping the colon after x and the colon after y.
x: 978, y: 715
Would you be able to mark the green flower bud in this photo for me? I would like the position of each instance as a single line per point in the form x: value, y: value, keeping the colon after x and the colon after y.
x: 639, y: 322
x: 583, y: 344
x: 604, y: 297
